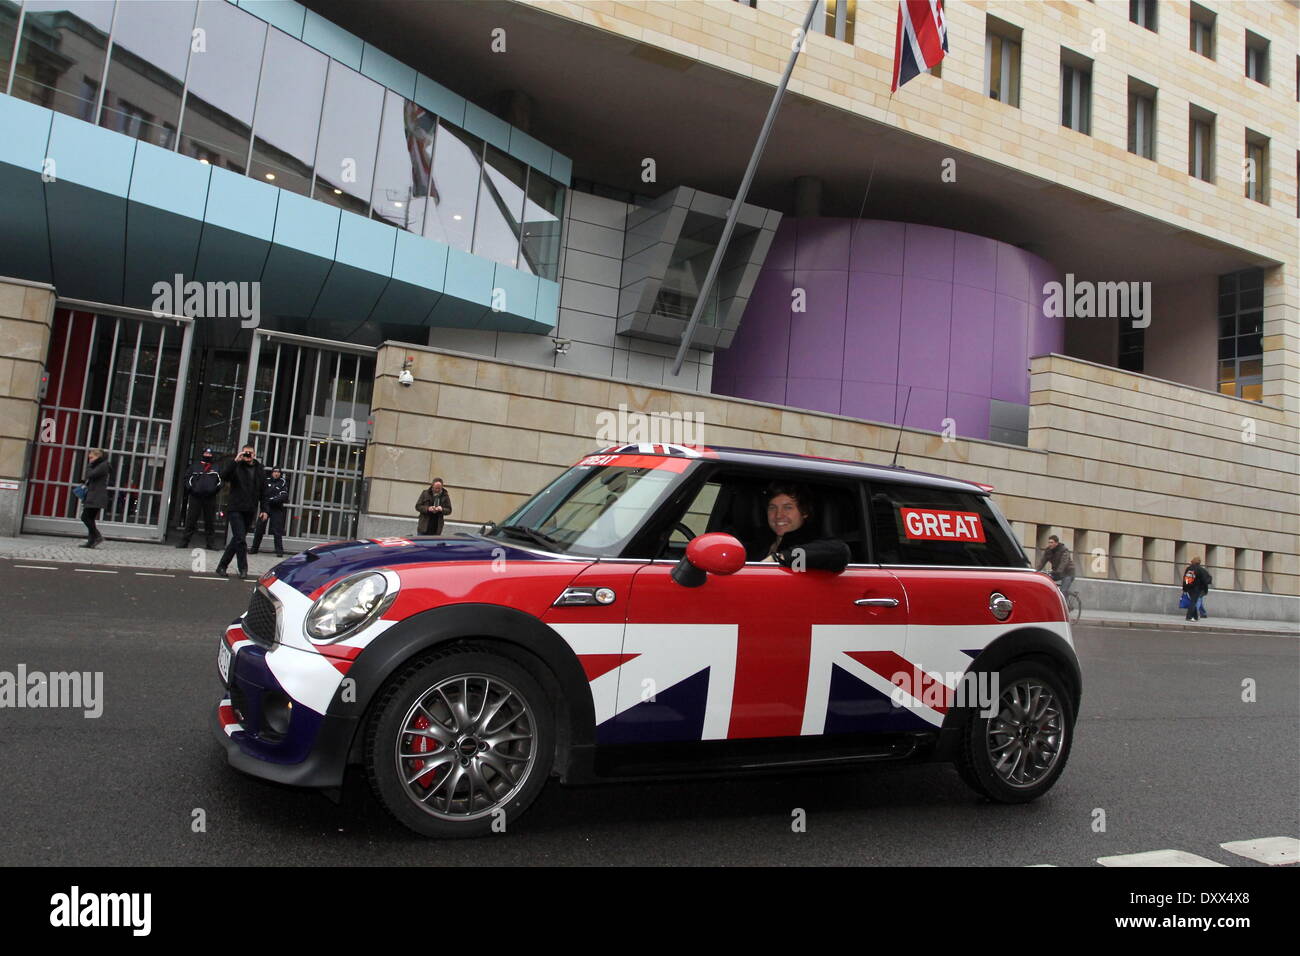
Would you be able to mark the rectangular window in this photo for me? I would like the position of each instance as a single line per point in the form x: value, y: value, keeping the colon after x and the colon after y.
x: 1255, y: 168
x: 840, y: 15
x: 1002, y: 61
x: 1256, y: 58
x: 1132, y: 347
x: 1202, y: 24
x: 1200, y: 144
x: 1076, y: 92
x: 1143, y: 13
x: 1141, y: 119
x: 1241, y: 334
x: 146, y: 69
x: 287, y: 124
x: 61, y: 55
x: 919, y: 525
x: 349, y: 139
x: 404, y: 164
x: 222, y: 86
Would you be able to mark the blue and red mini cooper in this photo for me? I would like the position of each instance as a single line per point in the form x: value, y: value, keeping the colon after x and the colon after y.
x: 659, y: 610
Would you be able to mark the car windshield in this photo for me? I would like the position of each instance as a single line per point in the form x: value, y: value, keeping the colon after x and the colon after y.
x: 590, y: 509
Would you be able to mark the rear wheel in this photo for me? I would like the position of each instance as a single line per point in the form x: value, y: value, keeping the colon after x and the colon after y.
x: 1074, y: 605
x: 461, y: 743
x: 1017, y: 754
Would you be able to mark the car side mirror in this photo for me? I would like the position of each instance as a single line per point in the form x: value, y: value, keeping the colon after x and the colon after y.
x: 712, y: 553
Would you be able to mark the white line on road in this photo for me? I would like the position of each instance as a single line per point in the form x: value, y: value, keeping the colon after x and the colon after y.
x: 1275, y: 851
x: 37, y: 567
x: 204, y: 577
x: 1157, y: 858
x: 150, y: 574
x: 93, y: 571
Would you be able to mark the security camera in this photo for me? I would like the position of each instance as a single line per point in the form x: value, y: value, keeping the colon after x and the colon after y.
x: 406, y: 378
x: 562, y: 346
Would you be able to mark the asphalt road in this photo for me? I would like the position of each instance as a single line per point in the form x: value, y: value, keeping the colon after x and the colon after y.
x: 1165, y: 746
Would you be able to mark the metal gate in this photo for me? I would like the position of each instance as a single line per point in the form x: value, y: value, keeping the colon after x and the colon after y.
x: 308, y: 413
x: 115, y: 379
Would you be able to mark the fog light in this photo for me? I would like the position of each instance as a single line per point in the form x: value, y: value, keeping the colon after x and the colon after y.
x: 277, y: 711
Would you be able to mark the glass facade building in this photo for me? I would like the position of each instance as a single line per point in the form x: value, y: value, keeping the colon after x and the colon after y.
x: 222, y: 86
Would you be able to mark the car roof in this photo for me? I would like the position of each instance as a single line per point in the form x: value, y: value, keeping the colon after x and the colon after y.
x: 809, y: 465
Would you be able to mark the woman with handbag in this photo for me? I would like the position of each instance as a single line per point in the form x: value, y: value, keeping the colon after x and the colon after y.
x: 95, y: 498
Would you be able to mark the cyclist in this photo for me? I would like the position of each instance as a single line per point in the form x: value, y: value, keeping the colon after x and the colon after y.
x: 1062, y: 562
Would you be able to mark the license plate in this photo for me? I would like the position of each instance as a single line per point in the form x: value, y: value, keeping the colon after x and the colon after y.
x: 223, y: 662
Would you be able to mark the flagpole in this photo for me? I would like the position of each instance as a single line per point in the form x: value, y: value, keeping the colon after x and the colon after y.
x: 734, y: 212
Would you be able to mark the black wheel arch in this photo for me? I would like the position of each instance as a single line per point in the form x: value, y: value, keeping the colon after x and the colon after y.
x: 522, y: 638
x: 1024, y: 643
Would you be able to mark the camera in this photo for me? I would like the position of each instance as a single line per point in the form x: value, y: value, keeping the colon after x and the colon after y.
x: 406, y: 378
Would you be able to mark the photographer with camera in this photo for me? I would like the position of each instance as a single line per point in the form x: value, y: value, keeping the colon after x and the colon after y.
x: 244, y: 507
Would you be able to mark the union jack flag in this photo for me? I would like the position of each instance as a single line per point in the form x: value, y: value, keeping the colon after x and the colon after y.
x: 921, y: 40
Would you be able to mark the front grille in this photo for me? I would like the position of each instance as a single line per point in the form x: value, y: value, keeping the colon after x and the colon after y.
x: 261, y: 621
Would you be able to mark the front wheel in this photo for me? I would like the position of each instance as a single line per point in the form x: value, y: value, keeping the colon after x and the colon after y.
x: 1017, y: 754
x: 461, y: 743
x: 1074, y: 605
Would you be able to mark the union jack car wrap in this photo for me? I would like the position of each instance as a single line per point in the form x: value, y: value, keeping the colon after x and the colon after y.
x: 620, y: 625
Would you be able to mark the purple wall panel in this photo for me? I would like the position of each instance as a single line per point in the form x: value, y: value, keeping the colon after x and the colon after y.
x: 817, y: 336
x: 823, y: 245
x: 976, y: 262
x: 928, y: 253
x: 814, y: 394
x: 971, y: 369
x: 875, y: 246
x: 871, y: 339
x: 954, y: 315
x: 970, y: 414
x: 923, y: 342
x: 1010, y: 350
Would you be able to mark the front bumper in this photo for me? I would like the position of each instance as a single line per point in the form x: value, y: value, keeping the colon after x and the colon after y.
x: 308, y: 749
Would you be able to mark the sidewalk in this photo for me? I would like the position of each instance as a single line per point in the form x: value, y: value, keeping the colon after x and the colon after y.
x: 145, y: 556
x: 40, y: 548
x: 1176, y: 622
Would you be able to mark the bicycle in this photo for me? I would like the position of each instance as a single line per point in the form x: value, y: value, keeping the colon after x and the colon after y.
x: 1073, y: 603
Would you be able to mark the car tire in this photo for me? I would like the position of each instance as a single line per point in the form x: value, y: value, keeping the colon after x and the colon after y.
x: 1017, y: 755
x: 487, y: 728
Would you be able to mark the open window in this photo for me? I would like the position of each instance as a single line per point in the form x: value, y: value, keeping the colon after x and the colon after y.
x: 735, y: 502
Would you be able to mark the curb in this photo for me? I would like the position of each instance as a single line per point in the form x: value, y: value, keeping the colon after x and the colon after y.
x: 1178, y: 626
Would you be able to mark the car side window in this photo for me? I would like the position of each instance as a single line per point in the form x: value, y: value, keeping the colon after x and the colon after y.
x: 913, y: 524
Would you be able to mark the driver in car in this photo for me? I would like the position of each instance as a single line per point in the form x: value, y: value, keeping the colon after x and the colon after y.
x: 795, y: 542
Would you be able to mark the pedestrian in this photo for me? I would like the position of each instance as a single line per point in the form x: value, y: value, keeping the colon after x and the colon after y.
x: 95, y: 499
x: 244, y: 507
x: 273, y: 499
x: 1062, y: 562
x: 433, y: 507
x: 202, y: 481
x: 1196, y: 584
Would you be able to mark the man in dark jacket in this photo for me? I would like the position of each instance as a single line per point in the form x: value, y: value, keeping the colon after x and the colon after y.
x: 433, y: 507
x: 1062, y: 562
x: 202, y: 481
x: 274, y: 498
x: 95, y: 482
x: 797, y: 543
x: 1196, y: 584
x: 244, y: 506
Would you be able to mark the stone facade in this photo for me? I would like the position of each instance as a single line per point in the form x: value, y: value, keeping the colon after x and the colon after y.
x: 26, y: 311
x: 1135, y: 474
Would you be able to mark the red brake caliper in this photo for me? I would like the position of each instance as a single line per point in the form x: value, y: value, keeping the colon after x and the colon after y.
x: 422, y: 744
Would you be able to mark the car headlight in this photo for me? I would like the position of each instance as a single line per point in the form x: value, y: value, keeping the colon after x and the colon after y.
x: 347, y: 606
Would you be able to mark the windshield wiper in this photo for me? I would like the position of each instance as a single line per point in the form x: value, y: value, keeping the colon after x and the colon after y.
x: 532, y: 534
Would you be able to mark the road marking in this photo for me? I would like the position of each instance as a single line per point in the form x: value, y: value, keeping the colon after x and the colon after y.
x: 1158, y: 858
x: 1275, y: 851
x: 93, y: 571
x: 204, y: 577
x: 150, y: 574
x: 38, y: 567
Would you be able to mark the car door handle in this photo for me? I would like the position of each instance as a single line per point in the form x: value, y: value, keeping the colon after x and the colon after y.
x: 876, y: 602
